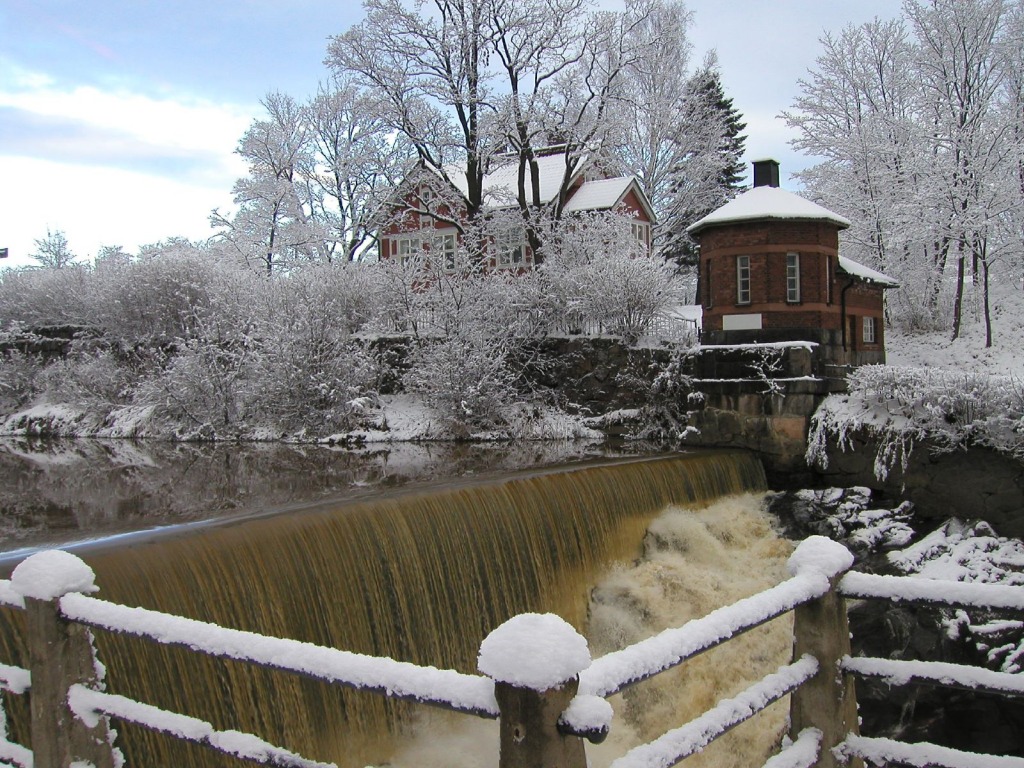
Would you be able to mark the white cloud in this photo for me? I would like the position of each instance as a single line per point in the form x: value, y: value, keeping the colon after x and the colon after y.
x: 111, y: 166
x: 98, y: 206
x: 175, y: 122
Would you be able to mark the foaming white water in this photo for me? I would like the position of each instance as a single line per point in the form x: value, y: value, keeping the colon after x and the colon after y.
x: 694, y: 562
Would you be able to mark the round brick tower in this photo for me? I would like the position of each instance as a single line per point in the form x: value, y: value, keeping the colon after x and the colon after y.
x: 770, y: 271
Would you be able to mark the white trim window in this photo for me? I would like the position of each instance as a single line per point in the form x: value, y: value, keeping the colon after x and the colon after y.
x: 742, y: 279
x: 446, y: 244
x: 510, y: 248
x: 407, y: 248
x: 642, y: 232
x: 869, y: 330
x: 793, y: 277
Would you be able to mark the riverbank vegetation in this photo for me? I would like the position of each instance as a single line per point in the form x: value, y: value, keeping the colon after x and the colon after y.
x: 950, y: 409
x: 185, y: 342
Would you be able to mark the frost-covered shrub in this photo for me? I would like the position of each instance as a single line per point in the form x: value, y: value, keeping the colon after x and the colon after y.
x: 20, y: 379
x: 596, y: 272
x: 159, y: 297
x: 203, y: 384
x: 465, y: 378
x: 307, y: 369
x: 87, y: 376
x: 904, y: 406
x: 42, y: 297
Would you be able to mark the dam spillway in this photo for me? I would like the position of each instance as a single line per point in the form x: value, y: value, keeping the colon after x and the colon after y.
x: 420, y: 576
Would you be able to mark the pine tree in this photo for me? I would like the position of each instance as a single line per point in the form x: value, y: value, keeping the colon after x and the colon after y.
x: 710, y: 170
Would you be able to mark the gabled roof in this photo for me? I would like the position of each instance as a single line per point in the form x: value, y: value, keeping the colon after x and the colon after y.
x: 501, y: 186
x: 867, y: 274
x: 606, y: 194
x: 765, y: 202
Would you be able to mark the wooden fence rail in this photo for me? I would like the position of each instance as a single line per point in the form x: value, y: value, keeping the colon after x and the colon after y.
x: 548, y: 701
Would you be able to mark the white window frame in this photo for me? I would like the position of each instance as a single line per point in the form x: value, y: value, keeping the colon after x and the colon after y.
x: 868, y: 332
x: 446, y: 243
x: 793, y: 278
x: 743, y: 279
x: 407, y: 247
x: 642, y: 232
x: 510, y: 248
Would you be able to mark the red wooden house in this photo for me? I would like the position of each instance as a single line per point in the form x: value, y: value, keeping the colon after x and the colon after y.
x: 423, y: 221
x: 770, y: 271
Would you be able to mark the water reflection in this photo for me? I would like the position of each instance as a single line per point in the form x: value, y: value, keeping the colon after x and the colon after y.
x: 61, y: 492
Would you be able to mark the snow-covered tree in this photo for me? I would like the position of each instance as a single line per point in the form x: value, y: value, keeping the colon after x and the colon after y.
x: 598, y: 273
x: 915, y: 120
x: 472, y: 83
x: 706, y: 167
x: 53, y: 251
x: 273, y: 226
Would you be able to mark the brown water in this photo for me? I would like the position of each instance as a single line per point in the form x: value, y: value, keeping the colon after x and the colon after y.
x: 55, y: 492
x: 419, y: 576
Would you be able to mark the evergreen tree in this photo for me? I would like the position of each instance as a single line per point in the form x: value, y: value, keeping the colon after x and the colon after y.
x: 708, y: 174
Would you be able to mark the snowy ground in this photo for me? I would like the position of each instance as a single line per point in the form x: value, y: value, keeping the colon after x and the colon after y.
x: 968, y: 353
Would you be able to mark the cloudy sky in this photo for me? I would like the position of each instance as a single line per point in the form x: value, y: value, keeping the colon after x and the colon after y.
x: 119, y: 118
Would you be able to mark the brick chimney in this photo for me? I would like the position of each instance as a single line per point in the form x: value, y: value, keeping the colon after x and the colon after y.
x: 766, y: 173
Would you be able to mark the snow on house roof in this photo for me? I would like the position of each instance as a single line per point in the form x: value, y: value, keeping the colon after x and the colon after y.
x: 767, y: 203
x: 500, y: 186
x: 856, y: 269
x: 599, y: 195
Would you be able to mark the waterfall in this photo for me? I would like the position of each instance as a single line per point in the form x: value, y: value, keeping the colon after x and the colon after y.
x: 418, y: 576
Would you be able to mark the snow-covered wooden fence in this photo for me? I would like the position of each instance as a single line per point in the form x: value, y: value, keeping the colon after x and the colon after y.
x: 538, y: 677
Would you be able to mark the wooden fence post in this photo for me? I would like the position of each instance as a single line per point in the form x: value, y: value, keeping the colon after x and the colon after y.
x: 60, y: 655
x: 535, y: 661
x: 828, y: 700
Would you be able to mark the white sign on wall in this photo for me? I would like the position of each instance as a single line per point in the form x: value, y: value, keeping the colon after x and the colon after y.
x: 750, y: 322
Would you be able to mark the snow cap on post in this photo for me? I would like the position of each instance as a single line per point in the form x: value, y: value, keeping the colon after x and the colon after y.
x: 535, y: 651
x: 51, y: 574
x: 819, y: 555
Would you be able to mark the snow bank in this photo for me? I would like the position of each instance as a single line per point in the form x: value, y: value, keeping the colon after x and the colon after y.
x: 536, y: 651
x: 903, y: 406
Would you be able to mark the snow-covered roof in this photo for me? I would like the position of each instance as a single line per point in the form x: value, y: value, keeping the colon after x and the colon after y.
x: 856, y: 269
x: 767, y: 203
x: 500, y: 186
x: 599, y: 195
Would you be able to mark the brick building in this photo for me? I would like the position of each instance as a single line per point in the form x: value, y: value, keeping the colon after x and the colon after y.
x: 770, y: 271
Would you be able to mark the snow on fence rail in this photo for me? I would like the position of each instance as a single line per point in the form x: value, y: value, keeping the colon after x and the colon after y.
x: 538, y: 678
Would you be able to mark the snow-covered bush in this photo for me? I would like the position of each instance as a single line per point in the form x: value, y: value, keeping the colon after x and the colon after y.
x: 306, y: 367
x: 46, y: 297
x: 90, y: 375
x: 465, y: 378
x: 596, y: 271
x: 903, y: 406
x: 20, y: 379
x: 157, y: 298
